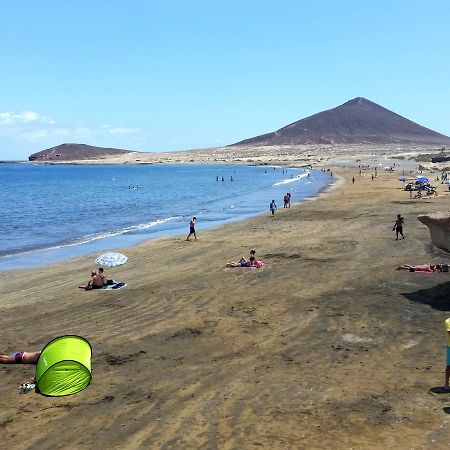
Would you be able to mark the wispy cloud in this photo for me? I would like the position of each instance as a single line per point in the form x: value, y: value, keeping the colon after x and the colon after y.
x: 33, y: 128
x: 25, y: 117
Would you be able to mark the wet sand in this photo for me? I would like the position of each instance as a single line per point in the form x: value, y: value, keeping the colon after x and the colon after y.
x: 326, y: 346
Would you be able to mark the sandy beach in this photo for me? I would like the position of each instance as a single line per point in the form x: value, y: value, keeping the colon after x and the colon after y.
x: 326, y: 346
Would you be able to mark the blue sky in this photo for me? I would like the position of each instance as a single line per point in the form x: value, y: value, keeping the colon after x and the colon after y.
x: 176, y: 75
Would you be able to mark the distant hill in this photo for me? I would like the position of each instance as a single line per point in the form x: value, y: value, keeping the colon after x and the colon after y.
x: 75, y: 152
x: 358, y: 121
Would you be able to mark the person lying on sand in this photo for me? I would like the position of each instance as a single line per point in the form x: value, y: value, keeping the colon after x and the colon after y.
x: 241, y: 263
x: 425, y: 268
x: 252, y: 262
x: 95, y: 282
x: 20, y: 358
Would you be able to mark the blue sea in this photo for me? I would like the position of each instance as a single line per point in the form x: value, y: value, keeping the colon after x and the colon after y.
x: 50, y: 213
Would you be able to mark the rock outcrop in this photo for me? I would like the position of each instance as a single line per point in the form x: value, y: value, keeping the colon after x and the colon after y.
x: 439, y: 226
x: 75, y: 152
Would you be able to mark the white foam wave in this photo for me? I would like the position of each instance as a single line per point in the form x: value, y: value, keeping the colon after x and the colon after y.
x: 97, y: 236
x: 291, y: 180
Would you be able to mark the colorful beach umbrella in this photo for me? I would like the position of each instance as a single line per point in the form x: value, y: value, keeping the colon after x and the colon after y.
x: 111, y: 259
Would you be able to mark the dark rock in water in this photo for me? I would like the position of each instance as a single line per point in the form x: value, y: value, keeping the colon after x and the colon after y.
x: 439, y: 226
x: 359, y: 121
x: 75, y: 152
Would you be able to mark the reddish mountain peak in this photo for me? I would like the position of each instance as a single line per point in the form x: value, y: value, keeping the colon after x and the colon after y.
x: 357, y: 121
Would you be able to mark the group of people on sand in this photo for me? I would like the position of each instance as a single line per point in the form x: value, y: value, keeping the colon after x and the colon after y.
x: 98, y: 280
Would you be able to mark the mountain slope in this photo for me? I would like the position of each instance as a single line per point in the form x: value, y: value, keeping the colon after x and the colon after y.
x: 357, y: 121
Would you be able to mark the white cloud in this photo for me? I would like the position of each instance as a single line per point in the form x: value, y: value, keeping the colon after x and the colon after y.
x: 29, y: 127
x: 25, y: 117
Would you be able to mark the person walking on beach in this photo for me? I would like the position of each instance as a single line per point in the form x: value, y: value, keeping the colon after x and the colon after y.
x: 272, y: 208
x: 447, y: 367
x: 192, y: 228
x: 398, y: 226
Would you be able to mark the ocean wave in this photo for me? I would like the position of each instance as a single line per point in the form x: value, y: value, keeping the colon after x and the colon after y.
x: 291, y: 180
x: 95, y: 237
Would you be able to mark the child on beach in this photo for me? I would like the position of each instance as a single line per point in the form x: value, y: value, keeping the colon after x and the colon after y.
x: 272, y: 208
x: 398, y: 226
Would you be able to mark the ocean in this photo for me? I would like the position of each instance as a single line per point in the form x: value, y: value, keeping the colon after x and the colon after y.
x: 49, y: 213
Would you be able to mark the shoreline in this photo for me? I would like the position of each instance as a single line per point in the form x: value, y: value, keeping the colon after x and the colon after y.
x: 63, y: 252
x: 325, y: 346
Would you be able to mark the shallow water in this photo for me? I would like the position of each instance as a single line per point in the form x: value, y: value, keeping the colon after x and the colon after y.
x: 53, y: 212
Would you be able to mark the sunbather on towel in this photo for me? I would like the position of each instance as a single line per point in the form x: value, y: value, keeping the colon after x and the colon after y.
x: 241, y: 263
x: 251, y: 262
x: 20, y: 358
x: 425, y: 268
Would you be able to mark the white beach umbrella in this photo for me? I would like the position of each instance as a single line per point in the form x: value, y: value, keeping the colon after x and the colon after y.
x: 111, y: 259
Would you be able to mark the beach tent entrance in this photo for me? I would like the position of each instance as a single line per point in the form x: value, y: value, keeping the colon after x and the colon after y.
x: 64, y: 366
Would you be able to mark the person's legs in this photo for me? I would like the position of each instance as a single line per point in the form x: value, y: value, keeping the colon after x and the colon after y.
x: 7, y: 359
x: 447, y: 369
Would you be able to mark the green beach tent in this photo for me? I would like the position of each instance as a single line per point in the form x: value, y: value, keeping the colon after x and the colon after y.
x: 64, y: 366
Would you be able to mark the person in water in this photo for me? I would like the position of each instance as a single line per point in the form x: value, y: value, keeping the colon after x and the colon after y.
x: 192, y: 228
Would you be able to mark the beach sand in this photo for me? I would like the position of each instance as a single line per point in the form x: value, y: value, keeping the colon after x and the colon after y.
x: 326, y: 346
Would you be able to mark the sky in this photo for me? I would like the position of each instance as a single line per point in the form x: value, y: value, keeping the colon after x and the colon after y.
x: 177, y: 75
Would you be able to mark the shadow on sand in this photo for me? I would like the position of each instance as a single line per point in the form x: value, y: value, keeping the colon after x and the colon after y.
x: 438, y: 297
x: 440, y: 390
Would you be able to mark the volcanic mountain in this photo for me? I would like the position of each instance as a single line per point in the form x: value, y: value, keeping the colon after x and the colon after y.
x: 75, y: 152
x: 358, y: 121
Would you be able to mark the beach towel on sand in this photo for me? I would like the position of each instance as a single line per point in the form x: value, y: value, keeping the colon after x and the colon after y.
x: 115, y: 285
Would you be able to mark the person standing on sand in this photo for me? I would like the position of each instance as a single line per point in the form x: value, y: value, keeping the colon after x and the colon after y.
x: 447, y: 367
x: 272, y: 208
x: 353, y: 180
x: 398, y: 226
x: 192, y: 228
